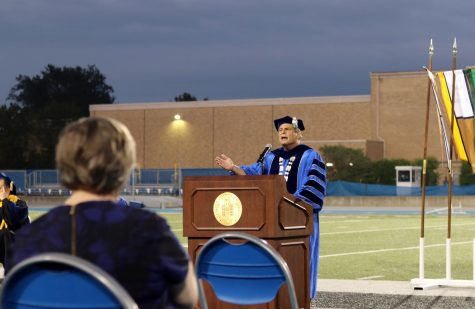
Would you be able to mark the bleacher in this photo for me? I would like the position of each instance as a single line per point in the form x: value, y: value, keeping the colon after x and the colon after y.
x: 47, y: 191
x: 158, y: 182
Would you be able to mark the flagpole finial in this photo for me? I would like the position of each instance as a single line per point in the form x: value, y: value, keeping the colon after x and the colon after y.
x: 454, y: 47
x: 431, y: 48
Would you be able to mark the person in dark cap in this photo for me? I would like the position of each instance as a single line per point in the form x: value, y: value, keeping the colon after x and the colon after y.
x: 13, y: 214
x: 304, y: 171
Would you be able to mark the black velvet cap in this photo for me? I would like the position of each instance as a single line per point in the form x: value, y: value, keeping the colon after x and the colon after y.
x: 297, y: 123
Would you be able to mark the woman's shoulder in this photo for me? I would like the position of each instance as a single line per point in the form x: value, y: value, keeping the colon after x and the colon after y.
x: 134, y: 216
x: 104, y: 212
x: 53, y: 213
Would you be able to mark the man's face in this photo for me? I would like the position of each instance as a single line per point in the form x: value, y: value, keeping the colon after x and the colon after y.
x: 288, y: 137
x: 3, y: 187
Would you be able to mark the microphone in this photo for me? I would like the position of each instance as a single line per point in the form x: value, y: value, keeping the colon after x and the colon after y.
x: 264, y: 153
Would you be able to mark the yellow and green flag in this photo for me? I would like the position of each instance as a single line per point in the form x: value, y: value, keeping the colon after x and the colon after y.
x: 470, y: 80
x: 463, y: 127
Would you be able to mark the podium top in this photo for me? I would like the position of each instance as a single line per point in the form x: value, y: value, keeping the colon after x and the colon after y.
x: 259, y: 205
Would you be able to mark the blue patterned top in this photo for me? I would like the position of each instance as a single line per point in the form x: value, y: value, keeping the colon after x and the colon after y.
x: 135, y: 246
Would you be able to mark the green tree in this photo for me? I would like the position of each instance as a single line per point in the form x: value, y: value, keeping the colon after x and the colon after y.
x: 185, y: 96
x: 432, y: 177
x: 13, y: 139
x: 384, y: 171
x: 345, y: 163
x: 466, y: 175
x: 73, y: 88
x: 350, y: 164
x: 52, y: 99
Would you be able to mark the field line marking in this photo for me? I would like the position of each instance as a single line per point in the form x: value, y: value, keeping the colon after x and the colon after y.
x: 344, y: 221
x: 392, y: 229
x: 369, y: 278
x: 392, y: 249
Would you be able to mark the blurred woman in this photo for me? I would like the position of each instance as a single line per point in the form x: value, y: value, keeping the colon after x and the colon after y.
x: 94, y: 157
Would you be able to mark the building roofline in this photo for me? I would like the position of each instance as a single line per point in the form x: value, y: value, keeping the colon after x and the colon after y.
x: 233, y: 103
x: 398, y: 74
x: 422, y: 72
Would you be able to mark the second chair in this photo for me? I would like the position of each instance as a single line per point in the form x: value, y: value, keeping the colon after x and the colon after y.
x: 243, y: 273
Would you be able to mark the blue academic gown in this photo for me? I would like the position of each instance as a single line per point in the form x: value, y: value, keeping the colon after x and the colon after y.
x: 306, y: 180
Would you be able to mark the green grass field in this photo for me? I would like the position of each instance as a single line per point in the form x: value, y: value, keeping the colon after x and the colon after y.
x: 383, y: 247
x: 387, y: 247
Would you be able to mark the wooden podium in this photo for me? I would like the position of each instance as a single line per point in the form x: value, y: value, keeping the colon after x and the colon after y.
x: 266, y: 210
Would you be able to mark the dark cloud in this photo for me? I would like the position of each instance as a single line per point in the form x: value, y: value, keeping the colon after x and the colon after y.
x: 152, y: 50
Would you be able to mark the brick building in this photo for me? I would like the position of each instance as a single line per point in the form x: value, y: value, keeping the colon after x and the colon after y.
x: 388, y: 123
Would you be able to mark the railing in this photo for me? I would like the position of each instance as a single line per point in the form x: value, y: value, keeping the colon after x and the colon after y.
x: 141, y: 181
x: 169, y: 182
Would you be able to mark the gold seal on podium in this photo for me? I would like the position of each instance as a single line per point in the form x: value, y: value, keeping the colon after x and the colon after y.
x: 227, y: 208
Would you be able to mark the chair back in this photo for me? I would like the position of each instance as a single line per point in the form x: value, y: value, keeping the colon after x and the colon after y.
x: 57, y: 280
x: 242, y: 273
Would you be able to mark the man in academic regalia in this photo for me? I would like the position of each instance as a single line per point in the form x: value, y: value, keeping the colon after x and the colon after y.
x: 304, y: 171
x: 13, y: 214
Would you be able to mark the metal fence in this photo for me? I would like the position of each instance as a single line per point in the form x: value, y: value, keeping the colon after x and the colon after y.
x: 169, y: 182
x: 141, y: 181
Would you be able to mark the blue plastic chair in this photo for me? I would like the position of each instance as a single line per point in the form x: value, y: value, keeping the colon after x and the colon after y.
x: 57, y: 280
x: 246, y: 273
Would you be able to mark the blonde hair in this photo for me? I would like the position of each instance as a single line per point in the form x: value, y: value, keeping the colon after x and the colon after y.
x: 96, y: 155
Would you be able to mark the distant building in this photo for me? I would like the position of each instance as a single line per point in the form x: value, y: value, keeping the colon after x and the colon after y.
x: 388, y: 123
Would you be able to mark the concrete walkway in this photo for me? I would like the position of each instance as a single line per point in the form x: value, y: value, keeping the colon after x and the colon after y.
x: 388, y: 294
x: 388, y: 287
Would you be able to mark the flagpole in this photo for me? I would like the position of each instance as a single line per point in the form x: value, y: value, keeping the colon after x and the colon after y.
x: 448, y: 261
x: 424, y: 168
